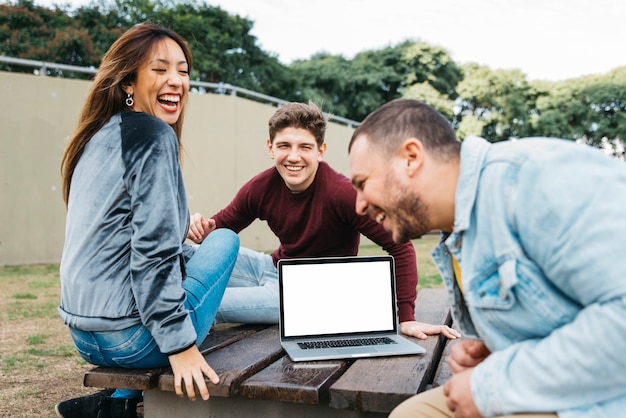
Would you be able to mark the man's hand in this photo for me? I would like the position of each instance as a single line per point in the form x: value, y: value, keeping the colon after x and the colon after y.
x: 422, y: 330
x: 467, y: 354
x: 459, y: 394
x: 199, y: 228
x: 189, y: 366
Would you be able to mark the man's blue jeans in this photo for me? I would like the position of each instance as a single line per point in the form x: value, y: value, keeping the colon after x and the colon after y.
x: 208, y: 272
x: 252, y: 293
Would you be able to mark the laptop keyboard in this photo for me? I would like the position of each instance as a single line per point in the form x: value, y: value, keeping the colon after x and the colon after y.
x: 355, y: 342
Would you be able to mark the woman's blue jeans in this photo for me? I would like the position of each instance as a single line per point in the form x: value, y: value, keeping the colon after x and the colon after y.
x: 208, y: 272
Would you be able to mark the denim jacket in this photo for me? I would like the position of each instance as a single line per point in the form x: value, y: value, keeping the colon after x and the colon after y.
x: 540, y: 234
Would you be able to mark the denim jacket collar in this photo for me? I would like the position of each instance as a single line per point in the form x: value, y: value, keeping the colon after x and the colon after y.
x: 473, y: 153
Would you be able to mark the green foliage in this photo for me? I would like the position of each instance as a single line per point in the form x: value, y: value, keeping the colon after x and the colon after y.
x: 431, y: 65
x: 38, y: 33
x: 324, y: 78
x: 494, y: 104
x: 427, y: 93
x: 353, y: 88
x: 221, y: 44
x: 591, y: 108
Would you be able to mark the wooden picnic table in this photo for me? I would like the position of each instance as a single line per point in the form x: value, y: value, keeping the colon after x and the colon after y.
x: 258, y: 379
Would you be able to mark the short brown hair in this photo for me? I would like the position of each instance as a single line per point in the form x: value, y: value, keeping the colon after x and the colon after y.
x: 387, y: 127
x: 299, y: 115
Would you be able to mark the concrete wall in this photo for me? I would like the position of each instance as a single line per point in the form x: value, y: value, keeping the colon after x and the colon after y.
x: 224, y: 140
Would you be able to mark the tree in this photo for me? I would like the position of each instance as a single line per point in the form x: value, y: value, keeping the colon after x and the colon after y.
x: 323, y: 79
x: 427, y: 93
x: 223, y: 48
x: 591, y: 109
x: 221, y: 44
x: 354, y: 88
x: 496, y: 105
x: 38, y: 33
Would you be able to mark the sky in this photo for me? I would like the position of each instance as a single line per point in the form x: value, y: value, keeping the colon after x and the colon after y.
x: 545, y: 39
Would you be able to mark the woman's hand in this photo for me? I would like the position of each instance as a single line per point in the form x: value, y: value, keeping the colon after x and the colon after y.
x: 190, y: 367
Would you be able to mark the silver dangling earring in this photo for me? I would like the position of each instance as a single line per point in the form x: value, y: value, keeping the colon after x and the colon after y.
x: 129, y: 100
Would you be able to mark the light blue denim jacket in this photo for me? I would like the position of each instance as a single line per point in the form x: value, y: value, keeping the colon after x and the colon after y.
x: 540, y: 234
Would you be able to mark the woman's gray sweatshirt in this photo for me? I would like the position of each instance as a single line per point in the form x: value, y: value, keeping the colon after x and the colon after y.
x: 127, y: 217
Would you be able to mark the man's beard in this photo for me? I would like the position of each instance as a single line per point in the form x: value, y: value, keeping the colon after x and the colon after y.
x: 409, y: 213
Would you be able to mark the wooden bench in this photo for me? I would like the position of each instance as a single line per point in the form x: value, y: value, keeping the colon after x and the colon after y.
x: 258, y: 379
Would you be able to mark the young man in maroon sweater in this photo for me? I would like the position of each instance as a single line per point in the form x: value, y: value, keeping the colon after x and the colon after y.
x: 311, y: 209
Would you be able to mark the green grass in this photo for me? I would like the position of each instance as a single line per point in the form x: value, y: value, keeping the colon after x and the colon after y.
x: 30, y: 270
x: 427, y: 271
x: 37, y: 339
x: 24, y: 296
x: 60, y: 351
x: 36, y: 357
x: 27, y: 310
x: 32, y: 291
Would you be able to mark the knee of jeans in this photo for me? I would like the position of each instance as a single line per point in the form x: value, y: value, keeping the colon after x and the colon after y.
x: 226, y: 237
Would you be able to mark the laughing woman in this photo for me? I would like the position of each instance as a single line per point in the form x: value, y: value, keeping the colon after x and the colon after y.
x: 131, y: 292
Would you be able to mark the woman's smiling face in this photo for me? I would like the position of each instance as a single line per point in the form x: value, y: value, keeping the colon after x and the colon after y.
x: 162, y: 82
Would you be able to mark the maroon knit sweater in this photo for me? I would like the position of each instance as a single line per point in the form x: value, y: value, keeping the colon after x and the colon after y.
x: 320, y: 221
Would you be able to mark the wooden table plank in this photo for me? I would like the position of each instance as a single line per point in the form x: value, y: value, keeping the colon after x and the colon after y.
x: 443, y: 371
x: 298, y: 382
x: 225, y: 334
x: 366, y: 386
x: 159, y: 404
x: 236, y: 362
x: 145, y: 379
x: 117, y: 377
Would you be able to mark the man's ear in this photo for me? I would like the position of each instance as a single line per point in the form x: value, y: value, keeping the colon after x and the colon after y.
x: 412, y: 152
x: 322, y: 151
x: 269, y: 148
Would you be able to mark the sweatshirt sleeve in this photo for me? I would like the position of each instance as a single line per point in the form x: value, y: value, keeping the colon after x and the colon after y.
x: 158, y: 202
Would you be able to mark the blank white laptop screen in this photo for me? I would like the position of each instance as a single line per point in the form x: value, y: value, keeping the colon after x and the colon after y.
x: 331, y: 298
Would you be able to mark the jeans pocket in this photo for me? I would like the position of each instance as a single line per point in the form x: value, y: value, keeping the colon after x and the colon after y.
x: 87, y: 347
x: 139, y: 351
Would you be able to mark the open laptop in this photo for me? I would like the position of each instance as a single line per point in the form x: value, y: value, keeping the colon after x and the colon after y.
x: 330, y: 307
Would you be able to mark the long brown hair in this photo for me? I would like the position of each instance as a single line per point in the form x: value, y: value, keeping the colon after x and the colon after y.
x: 107, y: 97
